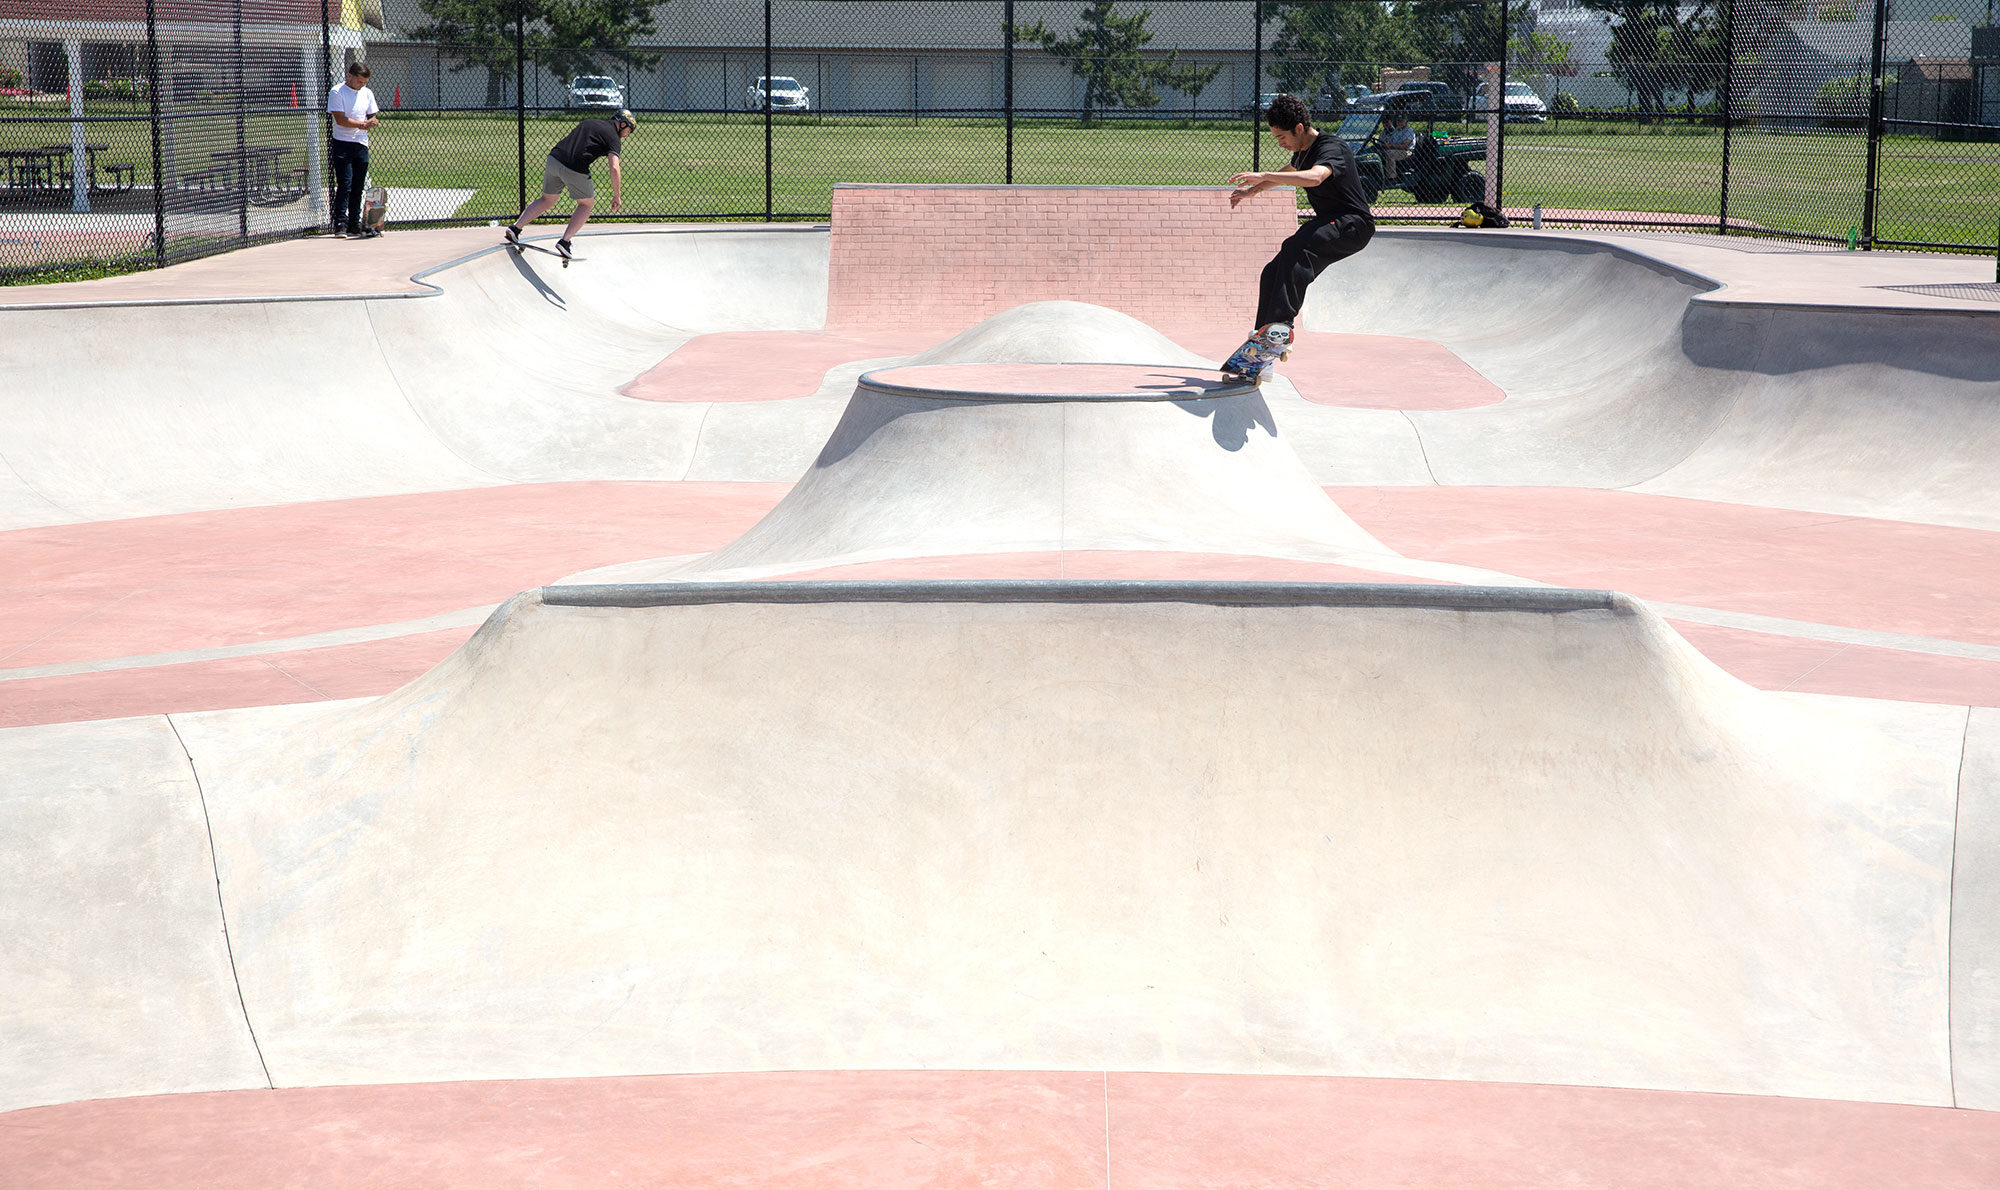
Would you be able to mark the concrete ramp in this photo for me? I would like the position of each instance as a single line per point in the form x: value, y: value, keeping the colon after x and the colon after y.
x: 991, y: 458
x: 1416, y: 832
x: 1623, y: 372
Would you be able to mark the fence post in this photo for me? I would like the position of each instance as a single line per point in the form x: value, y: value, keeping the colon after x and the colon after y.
x: 521, y: 105
x: 153, y: 106
x: 1256, y: 84
x: 325, y: 147
x: 1007, y: 59
x: 767, y: 111
x: 1728, y: 110
x: 242, y: 133
x: 1497, y: 179
x: 1874, y: 127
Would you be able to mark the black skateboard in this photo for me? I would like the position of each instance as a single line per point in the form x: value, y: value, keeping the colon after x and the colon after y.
x: 523, y: 246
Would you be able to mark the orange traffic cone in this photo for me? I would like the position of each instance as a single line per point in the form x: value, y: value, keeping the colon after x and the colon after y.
x: 398, y: 100
x: 295, y: 94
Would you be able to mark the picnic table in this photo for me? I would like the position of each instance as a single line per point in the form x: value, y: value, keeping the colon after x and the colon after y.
x: 257, y: 170
x: 46, y: 171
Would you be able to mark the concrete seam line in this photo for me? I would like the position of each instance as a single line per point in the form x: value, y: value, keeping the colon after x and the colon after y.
x: 1423, y: 452
x: 221, y: 906
x: 292, y: 644
x: 1951, y: 910
x: 1807, y: 629
x: 1233, y: 594
x: 403, y: 390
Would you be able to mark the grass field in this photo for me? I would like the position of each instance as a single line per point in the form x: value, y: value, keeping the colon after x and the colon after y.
x: 685, y: 166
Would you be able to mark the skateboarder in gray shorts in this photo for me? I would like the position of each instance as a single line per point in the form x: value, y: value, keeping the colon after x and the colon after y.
x: 568, y: 168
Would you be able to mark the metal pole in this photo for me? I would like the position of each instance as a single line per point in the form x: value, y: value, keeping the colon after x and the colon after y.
x: 1007, y: 54
x: 153, y: 106
x: 1874, y: 128
x: 326, y: 76
x: 1499, y: 99
x: 242, y: 137
x: 1256, y: 85
x: 1728, y: 109
x: 521, y: 105
x: 767, y: 111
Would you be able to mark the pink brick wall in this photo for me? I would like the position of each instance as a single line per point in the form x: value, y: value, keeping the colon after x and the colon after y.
x: 1171, y: 256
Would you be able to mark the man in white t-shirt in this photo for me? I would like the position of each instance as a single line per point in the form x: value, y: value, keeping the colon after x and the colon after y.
x: 353, y: 108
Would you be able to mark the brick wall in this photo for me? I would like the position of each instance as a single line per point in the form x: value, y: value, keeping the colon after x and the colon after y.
x: 1171, y: 256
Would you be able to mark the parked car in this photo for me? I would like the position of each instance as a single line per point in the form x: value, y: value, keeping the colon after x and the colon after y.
x: 1424, y: 105
x: 787, y: 94
x: 1263, y: 104
x: 1438, y: 96
x: 595, y: 90
x: 1322, y: 104
x: 1356, y: 92
x: 1523, y: 105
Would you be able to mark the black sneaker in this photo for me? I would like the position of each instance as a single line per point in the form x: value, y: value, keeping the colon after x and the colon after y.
x: 513, y: 234
x: 563, y: 246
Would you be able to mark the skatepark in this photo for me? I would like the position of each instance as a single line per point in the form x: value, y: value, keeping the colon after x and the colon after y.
x: 774, y: 705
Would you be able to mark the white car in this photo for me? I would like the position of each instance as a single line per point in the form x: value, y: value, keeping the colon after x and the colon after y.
x: 595, y: 90
x: 787, y: 94
x: 1523, y: 105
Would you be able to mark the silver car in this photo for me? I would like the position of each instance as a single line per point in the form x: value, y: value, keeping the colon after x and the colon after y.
x: 595, y: 90
x: 787, y: 94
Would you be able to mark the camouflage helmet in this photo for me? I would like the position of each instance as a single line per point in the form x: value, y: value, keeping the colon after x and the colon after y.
x: 624, y: 119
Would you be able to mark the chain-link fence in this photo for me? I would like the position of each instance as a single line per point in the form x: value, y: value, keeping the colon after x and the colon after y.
x: 135, y: 133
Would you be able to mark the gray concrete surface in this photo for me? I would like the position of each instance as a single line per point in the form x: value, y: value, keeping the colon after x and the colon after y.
x: 1975, y: 918
x: 1073, y: 834
x: 115, y: 975
x: 1621, y: 369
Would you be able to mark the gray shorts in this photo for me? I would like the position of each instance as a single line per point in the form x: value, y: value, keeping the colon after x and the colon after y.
x: 556, y: 177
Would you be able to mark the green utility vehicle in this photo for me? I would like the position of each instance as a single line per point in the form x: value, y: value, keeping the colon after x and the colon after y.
x: 1438, y: 169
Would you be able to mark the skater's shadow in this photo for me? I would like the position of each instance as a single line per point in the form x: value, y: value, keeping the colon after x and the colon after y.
x: 542, y: 287
x: 1232, y: 418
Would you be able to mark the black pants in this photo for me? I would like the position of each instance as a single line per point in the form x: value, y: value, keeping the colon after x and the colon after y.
x: 1303, y: 256
x: 350, y: 173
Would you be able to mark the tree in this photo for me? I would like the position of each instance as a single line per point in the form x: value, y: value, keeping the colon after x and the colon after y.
x: 1319, y: 41
x: 567, y: 36
x: 1104, y: 52
x: 1659, y: 46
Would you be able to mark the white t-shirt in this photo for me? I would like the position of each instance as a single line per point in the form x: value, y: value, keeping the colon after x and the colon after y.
x: 355, y: 105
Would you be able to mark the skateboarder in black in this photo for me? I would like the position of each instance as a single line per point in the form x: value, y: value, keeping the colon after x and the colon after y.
x: 568, y: 168
x: 1341, y: 225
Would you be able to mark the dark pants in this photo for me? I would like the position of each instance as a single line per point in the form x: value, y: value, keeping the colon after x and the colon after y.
x: 350, y: 173
x: 1303, y: 256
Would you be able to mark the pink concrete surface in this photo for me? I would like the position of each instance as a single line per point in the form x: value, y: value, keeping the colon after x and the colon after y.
x: 201, y: 580
x: 767, y: 365
x: 360, y: 670
x: 1161, y: 254
x: 1061, y: 380
x: 79, y: 593
x: 292, y: 268
x: 1857, y: 572
x: 994, y: 1129
x: 1354, y: 371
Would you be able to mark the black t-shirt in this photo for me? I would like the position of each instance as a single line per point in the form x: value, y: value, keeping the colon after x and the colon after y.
x: 1341, y: 193
x: 589, y: 141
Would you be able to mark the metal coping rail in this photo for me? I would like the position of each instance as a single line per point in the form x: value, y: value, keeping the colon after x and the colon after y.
x: 1231, y: 594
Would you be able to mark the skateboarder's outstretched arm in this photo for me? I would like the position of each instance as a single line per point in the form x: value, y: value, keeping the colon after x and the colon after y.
x: 1248, y: 184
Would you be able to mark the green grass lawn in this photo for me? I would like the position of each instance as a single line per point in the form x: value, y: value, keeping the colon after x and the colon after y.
x: 685, y: 166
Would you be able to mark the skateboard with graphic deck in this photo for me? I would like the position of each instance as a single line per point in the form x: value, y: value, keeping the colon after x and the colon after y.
x: 520, y: 246
x: 1262, y: 352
